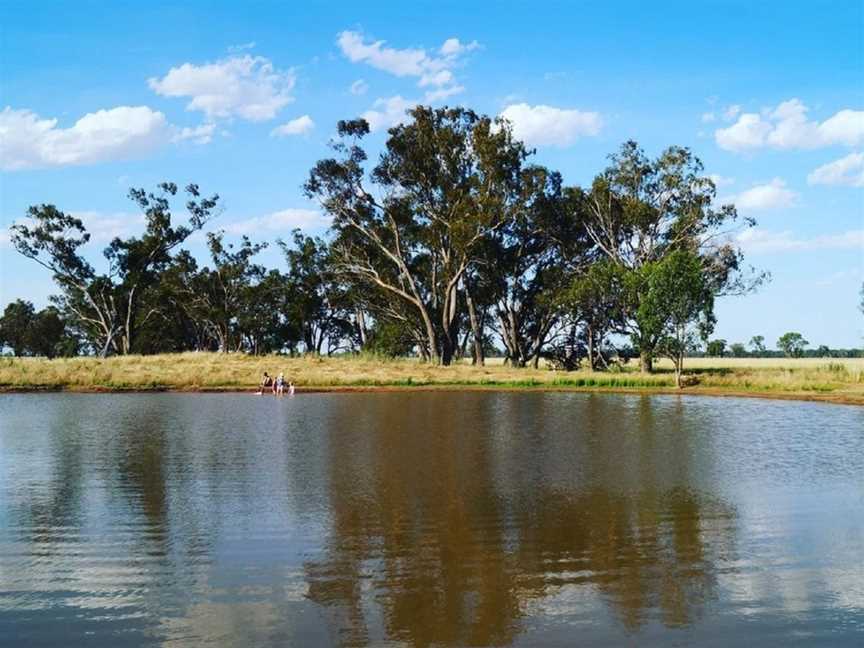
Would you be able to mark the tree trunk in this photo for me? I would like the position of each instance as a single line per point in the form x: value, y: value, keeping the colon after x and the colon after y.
x: 446, y: 358
x: 108, y: 340
x: 646, y: 361
x: 592, y: 365
x: 476, y: 331
x: 360, y: 318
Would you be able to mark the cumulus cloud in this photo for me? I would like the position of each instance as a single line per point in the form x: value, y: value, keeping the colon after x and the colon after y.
x: 773, y: 195
x: 248, y: 87
x: 453, y: 47
x: 202, y: 134
x: 759, y: 240
x: 103, y: 227
x: 787, y: 127
x: 433, y: 96
x: 299, y: 126
x: 28, y: 141
x: 281, y: 221
x: 359, y: 87
x: 433, y: 70
x: 847, y: 170
x: 546, y: 125
x: 721, y: 181
x: 388, y: 112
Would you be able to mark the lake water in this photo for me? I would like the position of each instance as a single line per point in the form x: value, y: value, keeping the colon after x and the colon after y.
x: 451, y: 519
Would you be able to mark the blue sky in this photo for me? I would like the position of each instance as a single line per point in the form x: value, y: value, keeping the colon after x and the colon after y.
x: 242, y: 99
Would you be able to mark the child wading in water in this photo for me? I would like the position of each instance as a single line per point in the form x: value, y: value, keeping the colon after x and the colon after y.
x: 280, y: 384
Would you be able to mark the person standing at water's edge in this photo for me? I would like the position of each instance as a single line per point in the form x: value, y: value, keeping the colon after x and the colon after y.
x: 280, y: 384
x: 266, y: 382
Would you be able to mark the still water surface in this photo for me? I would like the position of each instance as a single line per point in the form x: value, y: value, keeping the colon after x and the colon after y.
x: 429, y: 519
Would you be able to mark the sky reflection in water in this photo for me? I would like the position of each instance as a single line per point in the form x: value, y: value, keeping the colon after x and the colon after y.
x: 429, y: 519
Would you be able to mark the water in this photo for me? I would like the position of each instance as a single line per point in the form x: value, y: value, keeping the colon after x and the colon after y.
x: 429, y: 519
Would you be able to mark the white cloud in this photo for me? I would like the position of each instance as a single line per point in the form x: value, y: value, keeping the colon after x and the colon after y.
x: 847, y: 170
x: 281, y: 221
x: 299, y: 126
x: 747, y: 133
x: 435, y: 70
x: 105, y: 227
x: 27, y: 141
x: 102, y: 227
x: 388, y: 112
x: 359, y: 87
x: 759, y: 240
x: 708, y: 117
x: 233, y: 49
x: 404, y: 62
x: 546, y: 125
x: 721, y: 181
x: 773, y: 195
x: 240, y: 86
x: 453, y: 47
x: 202, y: 134
x: 787, y: 127
x: 731, y: 112
x: 433, y: 96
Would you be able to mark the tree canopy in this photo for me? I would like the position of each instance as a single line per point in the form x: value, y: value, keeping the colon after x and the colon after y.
x: 449, y: 242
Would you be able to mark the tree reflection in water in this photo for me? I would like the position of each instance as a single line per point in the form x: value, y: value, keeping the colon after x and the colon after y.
x: 449, y: 533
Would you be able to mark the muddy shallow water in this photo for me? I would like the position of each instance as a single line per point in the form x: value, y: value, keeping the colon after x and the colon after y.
x: 437, y: 518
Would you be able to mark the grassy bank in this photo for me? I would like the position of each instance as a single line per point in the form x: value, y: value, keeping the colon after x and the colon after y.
x: 832, y: 380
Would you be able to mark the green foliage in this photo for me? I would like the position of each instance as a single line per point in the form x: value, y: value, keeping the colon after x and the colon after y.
x: 757, y: 344
x: 792, y: 344
x: 716, y: 348
x: 451, y: 236
x: 15, y: 326
x: 640, y: 211
x: 680, y: 299
x: 108, y: 308
x: 390, y: 340
x: 27, y: 332
x: 738, y: 350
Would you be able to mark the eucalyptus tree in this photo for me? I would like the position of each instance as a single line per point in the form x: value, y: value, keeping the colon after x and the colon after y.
x: 107, y: 306
x: 680, y: 293
x: 28, y: 332
x: 527, y: 262
x: 411, y: 229
x: 220, y: 294
x: 320, y: 305
x: 593, y: 301
x: 757, y: 343
x: 638, y: 211
x: 792, y: 344
x: 15, y: 326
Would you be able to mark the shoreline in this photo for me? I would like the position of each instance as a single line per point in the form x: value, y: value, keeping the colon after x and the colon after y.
x: 828, y: 397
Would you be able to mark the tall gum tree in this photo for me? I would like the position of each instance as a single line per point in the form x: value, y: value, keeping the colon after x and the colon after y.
x: 639, y: 210
x: 108, y: 306
x: 446, y: 181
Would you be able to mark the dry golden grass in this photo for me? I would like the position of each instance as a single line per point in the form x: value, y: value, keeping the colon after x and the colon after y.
x: 837, y: 380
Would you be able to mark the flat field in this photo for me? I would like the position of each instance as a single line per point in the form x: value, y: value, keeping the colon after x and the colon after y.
x: 838, y: 380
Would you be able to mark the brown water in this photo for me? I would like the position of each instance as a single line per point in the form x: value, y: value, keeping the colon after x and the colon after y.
x: 429, y: 519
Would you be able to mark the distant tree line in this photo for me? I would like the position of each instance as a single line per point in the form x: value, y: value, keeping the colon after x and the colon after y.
x: 451, y: 244
x: 789, y: 345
